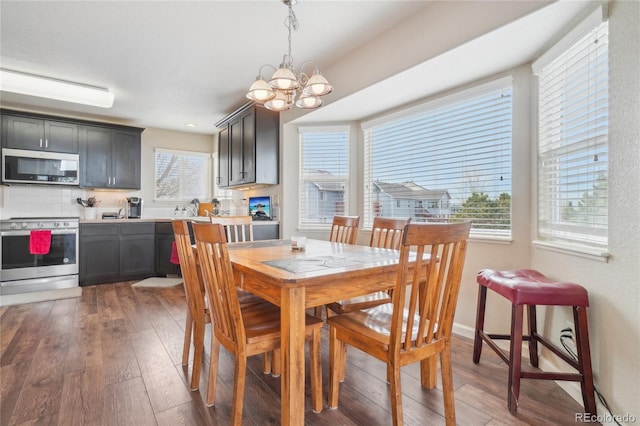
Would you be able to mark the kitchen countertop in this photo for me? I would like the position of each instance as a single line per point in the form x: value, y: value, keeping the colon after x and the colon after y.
x: 169, y: 219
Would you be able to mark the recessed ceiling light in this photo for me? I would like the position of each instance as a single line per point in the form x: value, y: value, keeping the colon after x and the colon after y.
x: 44, y: 87
x: 190, y: 125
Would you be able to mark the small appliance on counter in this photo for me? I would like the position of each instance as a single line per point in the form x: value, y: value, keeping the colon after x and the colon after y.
x: 134, y: 207
x: 110, y: 215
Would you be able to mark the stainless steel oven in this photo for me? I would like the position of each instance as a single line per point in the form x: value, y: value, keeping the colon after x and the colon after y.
x: 23, y: 272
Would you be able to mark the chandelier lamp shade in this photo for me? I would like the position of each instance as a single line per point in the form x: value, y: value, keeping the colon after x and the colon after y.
x: 286, y: 86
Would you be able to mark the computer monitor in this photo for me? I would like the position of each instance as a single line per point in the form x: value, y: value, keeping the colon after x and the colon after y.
x: 260, y: 208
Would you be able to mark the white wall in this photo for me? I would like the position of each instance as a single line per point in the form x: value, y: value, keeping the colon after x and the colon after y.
x: 614, y: 313
x: 614, y: 289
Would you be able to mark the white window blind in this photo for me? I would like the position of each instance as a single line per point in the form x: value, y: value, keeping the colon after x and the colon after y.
x: 573, y: 114
x: 324, y: 175
x: 447, y: 161
x: 182, y: 175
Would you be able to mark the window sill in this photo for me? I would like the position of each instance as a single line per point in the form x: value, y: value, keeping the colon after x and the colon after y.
x: 594, y: 253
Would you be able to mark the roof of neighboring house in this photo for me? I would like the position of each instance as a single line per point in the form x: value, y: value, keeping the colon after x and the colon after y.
x: 411, y: 191
x: 321, y: 185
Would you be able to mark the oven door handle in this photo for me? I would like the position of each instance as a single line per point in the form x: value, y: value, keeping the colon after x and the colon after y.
x: 28, y: 232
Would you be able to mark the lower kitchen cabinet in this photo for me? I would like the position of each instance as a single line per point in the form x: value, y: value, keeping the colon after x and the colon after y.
x: 137, y: 250
x: 264, y: 231
x: 99, y: 253
x: 164, y: 241
x: 112, y: 252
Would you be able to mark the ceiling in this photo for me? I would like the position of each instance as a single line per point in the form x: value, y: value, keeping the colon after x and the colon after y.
x: 170, y: 63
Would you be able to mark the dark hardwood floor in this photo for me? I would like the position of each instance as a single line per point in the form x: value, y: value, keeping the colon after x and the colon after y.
x: 113, y: 357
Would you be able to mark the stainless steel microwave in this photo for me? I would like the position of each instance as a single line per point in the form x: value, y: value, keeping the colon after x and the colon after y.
x: 24, y: 166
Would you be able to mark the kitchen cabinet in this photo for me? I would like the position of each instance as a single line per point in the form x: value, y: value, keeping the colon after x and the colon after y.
x: 109, y: 157
x: 112, y: 252
x: 223, y: 158
x: 137, y: 250
x: 164, y: 241
x: 251, y: 137
x: 26, y: 132
x: 99, y: 253
x: 266, y: 231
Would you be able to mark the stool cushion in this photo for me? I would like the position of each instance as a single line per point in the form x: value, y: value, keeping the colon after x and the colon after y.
x: 529, y: 287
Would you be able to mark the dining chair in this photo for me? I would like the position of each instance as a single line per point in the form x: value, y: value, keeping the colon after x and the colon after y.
x: 344, y: 229
x: 197, y: 308
x: 243, y: 331
x: 238, y: 229
x: 197, y: 313
x: 417, y: 325
x: 386, y: 233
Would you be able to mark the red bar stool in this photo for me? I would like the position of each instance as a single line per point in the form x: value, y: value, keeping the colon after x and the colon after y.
x: 528, y: 287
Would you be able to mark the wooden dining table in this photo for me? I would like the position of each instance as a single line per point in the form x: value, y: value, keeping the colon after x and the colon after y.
x: 297, y: 280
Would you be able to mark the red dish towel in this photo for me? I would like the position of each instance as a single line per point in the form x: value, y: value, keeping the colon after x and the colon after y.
x: 40, y: 242
x: 174, y: 254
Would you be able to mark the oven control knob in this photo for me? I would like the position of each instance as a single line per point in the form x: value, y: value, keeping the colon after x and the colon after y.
x: 56, y: 224
x: 14, y: 225
x: 66, y: 224
x: 40, y: 225
x: 24, y: 224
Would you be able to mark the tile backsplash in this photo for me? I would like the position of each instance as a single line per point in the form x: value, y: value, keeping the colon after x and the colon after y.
x: 60, y: 201
x: 53, y: 200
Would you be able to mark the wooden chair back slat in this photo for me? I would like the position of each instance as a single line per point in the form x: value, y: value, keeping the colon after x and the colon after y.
x: 344, y: 229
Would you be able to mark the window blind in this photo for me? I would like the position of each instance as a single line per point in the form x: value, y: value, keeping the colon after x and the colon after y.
x: 573, y: 114
x: 324, y: 175
x: 450, y: 161
x: 182, y: 175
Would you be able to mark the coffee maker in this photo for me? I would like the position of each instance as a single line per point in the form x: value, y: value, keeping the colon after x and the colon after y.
x: 134, y: 207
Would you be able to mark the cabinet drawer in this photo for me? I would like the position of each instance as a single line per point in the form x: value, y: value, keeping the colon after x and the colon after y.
x: 90, y: 229
x: 138, y: 228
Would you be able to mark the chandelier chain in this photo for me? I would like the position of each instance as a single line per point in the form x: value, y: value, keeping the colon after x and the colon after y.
x: 291, y: 22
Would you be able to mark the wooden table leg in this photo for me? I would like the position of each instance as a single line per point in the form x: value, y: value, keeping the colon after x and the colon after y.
x: 292, y: 344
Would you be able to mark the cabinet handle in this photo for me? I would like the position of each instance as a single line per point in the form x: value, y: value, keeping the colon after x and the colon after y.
x: 114, y: 180
x: 46, y: 143
x: 40, y: 143
x: 109, y: 183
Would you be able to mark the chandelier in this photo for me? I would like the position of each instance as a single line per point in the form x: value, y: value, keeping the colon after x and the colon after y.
x: 287, y: 87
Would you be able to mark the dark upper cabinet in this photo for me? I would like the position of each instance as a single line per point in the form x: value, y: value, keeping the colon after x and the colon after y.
x: 39, y: 134
x: 126, y: 159
x: 250, y: 138
x: 223, y: 158
x: 109, y: 158
x: 236, y: 169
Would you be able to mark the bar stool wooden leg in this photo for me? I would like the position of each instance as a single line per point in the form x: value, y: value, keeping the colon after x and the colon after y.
x: 477, y: 342
x: 584, y: 359
x: 515, y: 357
x: 533, y: 336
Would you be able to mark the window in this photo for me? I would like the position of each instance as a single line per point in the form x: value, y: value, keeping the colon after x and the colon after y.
x: 182, y: 175
x: 448, y: 160
x: 573, y: 137
x: 324, y: 175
